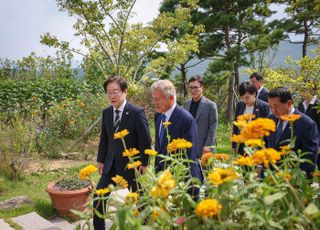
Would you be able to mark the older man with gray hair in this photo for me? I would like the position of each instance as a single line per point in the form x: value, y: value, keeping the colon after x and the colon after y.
x: 182, y: 125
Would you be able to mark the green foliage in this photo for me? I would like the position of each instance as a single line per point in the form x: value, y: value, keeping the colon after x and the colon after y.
x: 73, y: 183
x: 17, y: 147
x: 26, y: 96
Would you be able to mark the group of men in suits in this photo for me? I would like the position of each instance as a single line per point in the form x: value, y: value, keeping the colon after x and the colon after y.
x: 197, y: 126
x: 196, y: 122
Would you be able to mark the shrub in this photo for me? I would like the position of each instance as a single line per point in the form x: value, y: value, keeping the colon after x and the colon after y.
x: 16, y: 147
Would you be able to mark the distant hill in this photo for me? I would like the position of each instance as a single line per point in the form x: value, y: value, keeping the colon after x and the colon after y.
x: 284, y: 50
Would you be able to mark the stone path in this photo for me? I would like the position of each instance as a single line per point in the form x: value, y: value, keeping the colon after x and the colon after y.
x: 33, y: 221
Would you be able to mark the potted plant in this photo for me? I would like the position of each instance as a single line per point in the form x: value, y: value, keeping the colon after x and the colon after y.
x: 71, y: 193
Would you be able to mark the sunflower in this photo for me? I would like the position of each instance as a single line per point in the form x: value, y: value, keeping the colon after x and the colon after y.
x: 164, y: 185
x: 103, y: 191
x: 221, y: 175
x: 244, y: 161
x: 87, y: 171
x: 205, y: 158
x: 266, y: 156
x: 133, y: 165
x: 178, y: 143
x: 130, y: 152
x: 132, y: 198
x: 290, y: 117
x: 120, y: 181
x: 121, y: 134
x: 150, y: 152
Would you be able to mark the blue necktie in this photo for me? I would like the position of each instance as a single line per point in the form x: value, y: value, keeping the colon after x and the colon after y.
x: 162, y: 129
x: 279, y: 131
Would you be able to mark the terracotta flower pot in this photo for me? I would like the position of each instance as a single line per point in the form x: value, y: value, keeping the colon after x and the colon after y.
x: 65, y: 201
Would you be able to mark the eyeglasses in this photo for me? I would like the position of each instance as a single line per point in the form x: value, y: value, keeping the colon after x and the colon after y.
x: 113, y: 93
x: 194, y: 87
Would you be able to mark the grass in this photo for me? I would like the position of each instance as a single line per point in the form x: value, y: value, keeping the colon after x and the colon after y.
x: 34, y: 184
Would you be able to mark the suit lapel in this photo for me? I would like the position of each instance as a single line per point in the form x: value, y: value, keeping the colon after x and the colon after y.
x: 125, y: 116
x: 201, y: 106
x: 188, y: 104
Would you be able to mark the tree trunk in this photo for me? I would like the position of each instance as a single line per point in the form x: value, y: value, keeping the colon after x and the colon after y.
x: 305, y: 40
x: 183, y: 79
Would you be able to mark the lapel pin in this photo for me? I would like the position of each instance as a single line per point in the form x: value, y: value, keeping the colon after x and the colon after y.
x: 127, y: 113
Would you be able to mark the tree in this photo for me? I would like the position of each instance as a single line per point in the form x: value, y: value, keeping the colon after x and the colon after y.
x: 103, y: 26
x: 233, y: 30
x: 304, y: 19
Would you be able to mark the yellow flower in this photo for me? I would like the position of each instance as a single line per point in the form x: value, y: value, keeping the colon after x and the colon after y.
x: 220, y: 175
x: 164, y: 185
x: 258, y: 128
x: 238, y: 138
x: 179, y: 143
x: 221, y: 156
x: 135, y: 213
x: 103, y: 191
x: 121, y: 134
x: 130, y: 152
x: 244, y: 161
x: 284, y: 175
x: 285, y: 150
x: 316, y: 174
x: 208, y: 208
x: 266, y: 156
x: 87, y: 171
x: 150, y: 152
x: 133, y: 165
x: 167, y: 123
x: 290, y: 117
x: 132, y: 198
x: 120, y: 181
x: 255, y: 143
x: 240, y: 124
x: 246, y: 117
x: 155, y: 214
x: 205, y: 158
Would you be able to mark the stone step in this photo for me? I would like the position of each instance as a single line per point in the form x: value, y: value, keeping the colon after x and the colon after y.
x: 4, y: 225
x: 32, y: 221
x: 61, y: 223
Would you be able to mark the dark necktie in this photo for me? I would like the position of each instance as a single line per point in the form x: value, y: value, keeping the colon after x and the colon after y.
x: 279, y: 131
x: 162, y: 129
x: 117, y: 121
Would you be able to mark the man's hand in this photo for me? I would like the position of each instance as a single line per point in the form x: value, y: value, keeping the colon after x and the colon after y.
x: 206, y: 149
x: 142, y: 169
x: 100, y: 167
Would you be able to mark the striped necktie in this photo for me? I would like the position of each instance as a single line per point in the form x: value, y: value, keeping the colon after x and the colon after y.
x: 117, y: 121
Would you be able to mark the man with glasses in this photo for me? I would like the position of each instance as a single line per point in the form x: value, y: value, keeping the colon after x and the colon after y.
x: 118, y: 116
x: 204, y: 112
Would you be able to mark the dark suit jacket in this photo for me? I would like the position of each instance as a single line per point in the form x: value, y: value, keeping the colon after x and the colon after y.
x: 263, y: 95
x: 110, y: 151
x: 307, y: 139
x: 207, y: 122
x: 260, y: 109
x: 184, y: 126
x: 312, y: 112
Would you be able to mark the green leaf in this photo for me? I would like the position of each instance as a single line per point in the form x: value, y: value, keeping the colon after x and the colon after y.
x: 268, y: 200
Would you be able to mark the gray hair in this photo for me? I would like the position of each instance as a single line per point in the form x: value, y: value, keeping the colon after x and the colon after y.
x: 166, y: 87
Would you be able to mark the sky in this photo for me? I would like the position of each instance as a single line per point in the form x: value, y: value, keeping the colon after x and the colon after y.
x: 23, y: 21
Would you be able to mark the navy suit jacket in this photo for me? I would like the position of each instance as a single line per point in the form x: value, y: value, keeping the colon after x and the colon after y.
x: 312, y: 112
x: 307, y: 140
x: 110, y: 151
x: 184, y: 126
x: 263, y: 95
x: 260, y: 109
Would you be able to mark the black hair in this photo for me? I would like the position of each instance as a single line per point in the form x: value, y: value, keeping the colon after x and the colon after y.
x: 282, y: 92
x: 197, y: 78
x: 256, y: 75
x: 247, y: 87
x: 119, y: 80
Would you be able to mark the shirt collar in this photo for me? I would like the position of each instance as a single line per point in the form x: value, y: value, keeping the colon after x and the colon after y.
x: 259, y: 90
x: 170, y: 111
x: 313, y: 100
x: 121, y: 108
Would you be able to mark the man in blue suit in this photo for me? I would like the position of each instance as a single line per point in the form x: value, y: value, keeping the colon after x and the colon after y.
x: 182, y: 125
x: 119, y: 116
x: 304, y: 129
x: 257, y: 80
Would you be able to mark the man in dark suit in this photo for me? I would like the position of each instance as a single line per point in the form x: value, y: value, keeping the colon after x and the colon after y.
x: 204, y: 112
x: 257, y: 80
x: 119, y: 116
x: 304, y: 129
x: 182, y: 125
